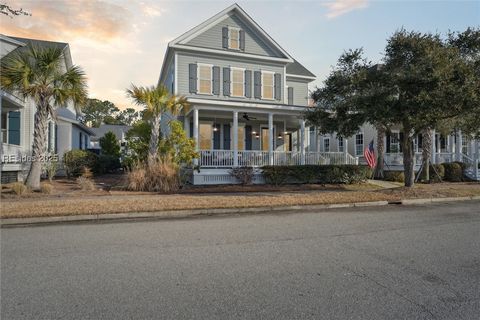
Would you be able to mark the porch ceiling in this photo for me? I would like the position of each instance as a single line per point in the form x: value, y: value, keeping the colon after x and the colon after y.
x: 255, y: 117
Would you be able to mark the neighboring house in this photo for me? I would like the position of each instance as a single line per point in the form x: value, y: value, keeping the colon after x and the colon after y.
x: 17, y: 120
x: 119, y: 130
x: 446, y: 148
x: 247, y: 98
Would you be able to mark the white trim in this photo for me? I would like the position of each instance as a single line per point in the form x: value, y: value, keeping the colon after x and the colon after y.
x: 231, y: 82
x: 198, y: 79
x: 338, y: 144
x: 175, y: 91
x: 229, y: 53
x: 262, y: 85
x: 12, y: 41
x: 300, y: 76
x: 192, y: 33
x: 247, y: 105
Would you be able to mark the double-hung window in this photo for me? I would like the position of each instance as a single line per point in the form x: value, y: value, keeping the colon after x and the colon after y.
x: 395, y: 142
x: 326, y: 144
x: 268, y: 88
x: 238, y: 82
x: 340, y: 144
x: 204, y: 79
x: 359, y: 144
x: 234, y: 38
x: 4, y: 127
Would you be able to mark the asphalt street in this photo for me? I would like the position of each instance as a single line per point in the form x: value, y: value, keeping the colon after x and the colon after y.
x: 395, y: 262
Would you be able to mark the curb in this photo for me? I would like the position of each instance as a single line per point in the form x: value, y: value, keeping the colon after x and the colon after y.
x: 180, y: 214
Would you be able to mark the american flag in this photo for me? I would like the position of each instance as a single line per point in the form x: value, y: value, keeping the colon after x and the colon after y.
x: 369, y: 154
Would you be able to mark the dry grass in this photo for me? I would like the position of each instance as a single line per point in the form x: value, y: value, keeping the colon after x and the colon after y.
x: 46, y: 188
x: 161, y: 176
x: 85, y: 183
x: 19, y: 188
x: 138, y: 202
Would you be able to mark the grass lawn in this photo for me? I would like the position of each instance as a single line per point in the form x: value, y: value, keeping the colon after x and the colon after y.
x: 68, y: 200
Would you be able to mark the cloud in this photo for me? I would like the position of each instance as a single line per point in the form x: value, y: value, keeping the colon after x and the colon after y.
x: 339, y: 7
x: 63, y: 21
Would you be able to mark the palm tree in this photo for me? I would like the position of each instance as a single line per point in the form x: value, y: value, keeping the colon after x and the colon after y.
x: 157, y: 101
x: 39, y: 74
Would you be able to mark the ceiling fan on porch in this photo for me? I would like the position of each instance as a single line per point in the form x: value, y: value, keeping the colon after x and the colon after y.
x: 247, y: 117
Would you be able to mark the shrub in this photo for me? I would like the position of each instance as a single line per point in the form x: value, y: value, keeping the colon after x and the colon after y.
x: 453, y: 172
x: 19, y: 188
x: 75, y: 161
x: 106, y: 164
x: 243, y: 174
x: 162, y: 176
x: 50, y: 167
x: 109, y: 144
x: 46, y: 188
x: 86, y: 184
x: 316, y: 174
x: 437, y: 172
x: 396, y: 176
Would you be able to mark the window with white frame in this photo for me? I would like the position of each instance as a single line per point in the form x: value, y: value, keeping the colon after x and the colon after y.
x: 465, y: 143
x: 359, y: 144
x: 326, y: 144
x: 204, y: 79
x: 268, y: 85
x: 234, y: 38
x: 340, y: 144
x: 395, y: 142
x: 238, y: 82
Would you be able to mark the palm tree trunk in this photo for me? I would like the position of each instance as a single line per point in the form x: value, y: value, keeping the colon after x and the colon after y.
x: 154, y: 137
x: 426, y: 152
x: 408, y: 158
x: 380, y: 152
x: 38, y: 147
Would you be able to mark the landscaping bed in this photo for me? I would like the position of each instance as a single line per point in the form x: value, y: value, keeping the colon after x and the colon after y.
x: 68, y: 200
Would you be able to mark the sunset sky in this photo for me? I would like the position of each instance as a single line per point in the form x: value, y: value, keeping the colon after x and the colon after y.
x: 123, y: 42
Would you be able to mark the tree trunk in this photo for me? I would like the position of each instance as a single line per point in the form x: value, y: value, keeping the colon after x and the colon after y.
x: 380, y: 152
x: 38, y: 147
x: 154, y: 136
x: 426, y: 152
x: 408, y: 158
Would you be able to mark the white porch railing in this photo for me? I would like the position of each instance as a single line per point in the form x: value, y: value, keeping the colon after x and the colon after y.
x: 471, y: 167
x: 258, y: 158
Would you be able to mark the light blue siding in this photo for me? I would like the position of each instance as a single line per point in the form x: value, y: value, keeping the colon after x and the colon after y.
x: 184, y: 59
x: 300, y: 92
x: 254, y: 44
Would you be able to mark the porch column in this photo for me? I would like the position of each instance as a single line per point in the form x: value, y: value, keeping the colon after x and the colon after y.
x: 315, y: 135
x: 270, y: 139
x: 477, y: 149
x: 459, y: 146
x: 302, y: 141
x: 317, y: 140
x: 186, y: 125
x: 235, y: 138
x: 434, y: 147
x: 195, y: 132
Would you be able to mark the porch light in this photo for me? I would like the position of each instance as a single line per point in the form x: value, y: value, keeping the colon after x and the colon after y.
x: 215, y: 128
x: 280, y: 136
x: 254, y: 132
x: 257, y: 136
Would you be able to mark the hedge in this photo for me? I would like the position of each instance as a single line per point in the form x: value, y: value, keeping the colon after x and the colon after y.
x: 338, y: 174
x: 76, y: 161
x: 453, y: 171
x: 395, y: 176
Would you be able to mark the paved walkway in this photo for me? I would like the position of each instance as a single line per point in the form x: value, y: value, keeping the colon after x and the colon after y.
x: 385, y: 184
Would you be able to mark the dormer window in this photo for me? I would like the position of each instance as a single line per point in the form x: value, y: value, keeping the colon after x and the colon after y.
x: 234, y: 38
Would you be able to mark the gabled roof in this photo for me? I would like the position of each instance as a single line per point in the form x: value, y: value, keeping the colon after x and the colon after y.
x: 235, y: 8
x: 296, y: 68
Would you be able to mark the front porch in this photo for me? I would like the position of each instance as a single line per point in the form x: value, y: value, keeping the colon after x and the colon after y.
x: 256, y: 136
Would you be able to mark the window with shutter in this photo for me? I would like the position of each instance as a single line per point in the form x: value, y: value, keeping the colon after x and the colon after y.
x: 237, y: 82
x: 204, y: 79
x: 267, y: 85
x: 234, y: 38
x: 14, y: 127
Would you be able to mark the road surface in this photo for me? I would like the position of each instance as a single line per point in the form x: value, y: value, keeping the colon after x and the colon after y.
x: 403, y: 262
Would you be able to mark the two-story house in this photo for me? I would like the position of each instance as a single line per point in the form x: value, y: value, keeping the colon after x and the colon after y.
x: 247, y: 97
x: 65, y: 132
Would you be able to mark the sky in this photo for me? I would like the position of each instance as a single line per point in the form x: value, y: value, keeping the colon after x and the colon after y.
x: 119, y: 42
